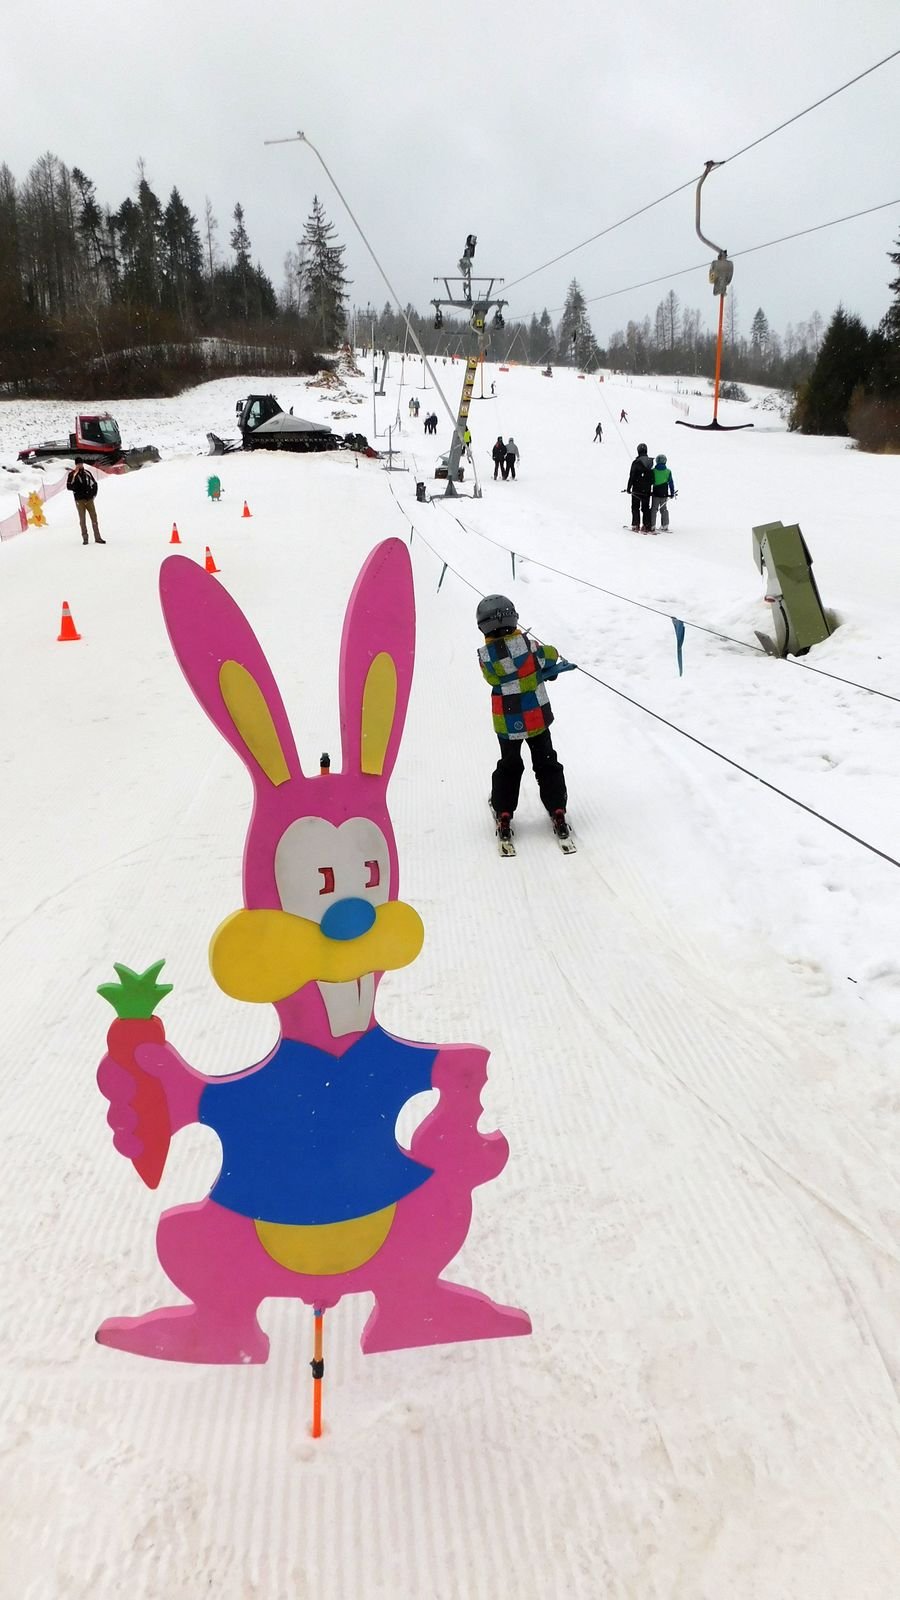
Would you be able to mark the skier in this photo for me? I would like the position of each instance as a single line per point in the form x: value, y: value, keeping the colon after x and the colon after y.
x: 498, y: 455
x: 516, y: 670
x: 598, y: 433
x: 639, y: 486
x: 623, y: 416
x: 512, y: 456
x: 663, y: 491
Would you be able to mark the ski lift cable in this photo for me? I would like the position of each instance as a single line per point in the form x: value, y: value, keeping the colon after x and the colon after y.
x: 658, y: 717
x: 699, y: 627
x: 748, y: 773
x: 300, y: 138
x: 703, y: 266
x: 692, y: 181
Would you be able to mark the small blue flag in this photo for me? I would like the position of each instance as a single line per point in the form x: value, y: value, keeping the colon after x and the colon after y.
x: 678, y: 625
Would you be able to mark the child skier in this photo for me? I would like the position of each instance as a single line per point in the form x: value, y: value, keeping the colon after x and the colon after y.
x: 517, y: 670
x: 663, y: 491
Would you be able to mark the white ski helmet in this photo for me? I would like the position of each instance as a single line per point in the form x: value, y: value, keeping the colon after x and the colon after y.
x: 496, y: 614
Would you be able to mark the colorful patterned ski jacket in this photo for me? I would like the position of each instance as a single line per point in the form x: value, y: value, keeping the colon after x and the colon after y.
x: 516, y: 668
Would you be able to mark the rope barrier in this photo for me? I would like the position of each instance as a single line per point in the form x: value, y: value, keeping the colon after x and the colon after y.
x: 656, y: 715
x: 699, y: 627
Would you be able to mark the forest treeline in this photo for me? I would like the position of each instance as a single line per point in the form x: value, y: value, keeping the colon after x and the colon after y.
x: 141, y: 299
x: 137, y: 299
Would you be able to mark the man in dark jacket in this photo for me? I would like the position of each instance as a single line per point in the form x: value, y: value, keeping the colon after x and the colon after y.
x: 83, y: 485
x: 498, y: 455
x: 640, y: 487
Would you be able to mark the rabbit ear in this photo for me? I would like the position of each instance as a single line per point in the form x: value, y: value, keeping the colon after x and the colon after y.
x: 377, y: 653
x: 223, y: 662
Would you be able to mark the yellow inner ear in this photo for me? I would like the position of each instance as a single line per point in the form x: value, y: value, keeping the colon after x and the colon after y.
x: 253, y: 719
x: 378, y: 705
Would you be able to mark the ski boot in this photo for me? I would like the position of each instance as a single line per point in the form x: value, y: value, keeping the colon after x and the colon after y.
x: 560, y: 825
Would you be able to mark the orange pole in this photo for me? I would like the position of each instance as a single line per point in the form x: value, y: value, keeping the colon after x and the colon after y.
x: 318, y: 1372
x: 718, y: 357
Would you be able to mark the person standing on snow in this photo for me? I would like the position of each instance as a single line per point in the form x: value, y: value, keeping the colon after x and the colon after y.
x: 598, y: 433
x: 640, y: 487
x: 516, y: 669
x: 512, y: 456
x: 623, y: 416
x: 663, y: 491
x: 498, y: 455
x: 83, y: 485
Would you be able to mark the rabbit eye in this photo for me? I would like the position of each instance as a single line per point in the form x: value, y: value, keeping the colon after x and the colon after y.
x: 374, y: 877
x: 328, y: 885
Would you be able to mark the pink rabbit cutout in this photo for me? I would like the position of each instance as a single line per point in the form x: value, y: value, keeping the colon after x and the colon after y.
x: 316, y: 1199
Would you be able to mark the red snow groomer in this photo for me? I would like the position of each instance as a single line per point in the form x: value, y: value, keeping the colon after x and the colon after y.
x: 97, y: 438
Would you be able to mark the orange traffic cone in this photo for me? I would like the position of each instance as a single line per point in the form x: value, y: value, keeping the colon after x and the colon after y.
x: 176, y: 536
x: 246, y: 511
x: 67, y: 630
x: 211, y: 561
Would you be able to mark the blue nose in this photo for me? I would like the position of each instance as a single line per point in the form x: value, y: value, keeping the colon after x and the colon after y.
x: 347, y: 919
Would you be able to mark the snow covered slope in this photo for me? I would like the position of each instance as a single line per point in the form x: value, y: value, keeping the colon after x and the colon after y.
x: 694, y: 1023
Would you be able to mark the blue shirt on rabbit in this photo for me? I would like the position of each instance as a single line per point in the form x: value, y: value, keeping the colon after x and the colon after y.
x: 308, y: 1138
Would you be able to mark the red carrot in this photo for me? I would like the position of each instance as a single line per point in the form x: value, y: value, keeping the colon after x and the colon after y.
x: 134, y: 999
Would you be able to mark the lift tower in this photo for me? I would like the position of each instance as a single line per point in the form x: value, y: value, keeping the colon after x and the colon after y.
x: 478, y: 302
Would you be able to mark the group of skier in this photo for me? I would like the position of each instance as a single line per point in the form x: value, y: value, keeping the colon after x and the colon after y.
x: 651, y: 486
x: 505, y: 456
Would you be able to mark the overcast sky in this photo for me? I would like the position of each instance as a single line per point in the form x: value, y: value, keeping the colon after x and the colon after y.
x: 533, y: 127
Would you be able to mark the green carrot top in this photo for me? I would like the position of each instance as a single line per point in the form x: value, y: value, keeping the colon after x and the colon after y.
x: 137, y: 994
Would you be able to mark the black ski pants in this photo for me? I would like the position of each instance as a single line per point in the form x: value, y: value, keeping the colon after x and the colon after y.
x: 640, y: 511
x: 548, y: 771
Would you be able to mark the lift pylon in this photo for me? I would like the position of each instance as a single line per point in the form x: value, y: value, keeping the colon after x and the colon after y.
x: 478, y: 302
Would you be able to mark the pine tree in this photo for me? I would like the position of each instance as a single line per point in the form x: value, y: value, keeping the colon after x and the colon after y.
x: 845, y: 361
x: 546, y: 339
x: 575, y: 340
x: 890, y: 325
x: 759, y: 336
x: 323, y: 281
x: 239, y: 240
x: 182, y: 259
